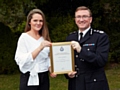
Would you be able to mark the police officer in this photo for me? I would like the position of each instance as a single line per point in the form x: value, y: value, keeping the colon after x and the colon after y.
x: 91, y: 49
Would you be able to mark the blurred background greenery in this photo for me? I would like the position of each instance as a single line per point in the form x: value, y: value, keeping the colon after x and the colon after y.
x: 60, y: 19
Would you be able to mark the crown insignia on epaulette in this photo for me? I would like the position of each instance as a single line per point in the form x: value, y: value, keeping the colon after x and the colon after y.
x: 73, y: 32
x: 99, y: 31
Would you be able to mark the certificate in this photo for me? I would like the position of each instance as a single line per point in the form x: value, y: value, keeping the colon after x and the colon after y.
x: 62, y: 58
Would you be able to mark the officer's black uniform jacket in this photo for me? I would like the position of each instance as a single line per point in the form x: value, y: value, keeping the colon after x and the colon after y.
x: 90, y: 62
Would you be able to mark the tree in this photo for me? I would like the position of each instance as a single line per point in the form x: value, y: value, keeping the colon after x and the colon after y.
x: 107, y: 18
x: 13, y: 12
x: 7, y: 50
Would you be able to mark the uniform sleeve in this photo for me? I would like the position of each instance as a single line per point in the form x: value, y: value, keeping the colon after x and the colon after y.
x: 98, y: 57
x: 23, y: 58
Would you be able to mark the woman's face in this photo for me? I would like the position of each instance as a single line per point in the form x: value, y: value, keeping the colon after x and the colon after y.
x: 36, y: 22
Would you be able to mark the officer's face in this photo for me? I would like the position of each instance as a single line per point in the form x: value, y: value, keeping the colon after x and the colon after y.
x: 83, y: 19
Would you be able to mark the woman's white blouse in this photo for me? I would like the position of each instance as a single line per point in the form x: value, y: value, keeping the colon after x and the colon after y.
x: 23, y: 57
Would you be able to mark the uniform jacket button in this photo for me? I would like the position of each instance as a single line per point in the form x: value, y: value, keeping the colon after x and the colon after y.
x: 76, y: 75
x: 76, y: 56
x: 88, y: 49
x: 95, y: 80
x: 77, y: 68
x: 75, y: 65
x: 81, y: 59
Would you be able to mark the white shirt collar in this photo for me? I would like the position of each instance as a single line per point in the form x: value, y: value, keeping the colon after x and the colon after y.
x: 84, y: 32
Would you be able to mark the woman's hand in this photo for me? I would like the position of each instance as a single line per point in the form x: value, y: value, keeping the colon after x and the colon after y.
x: 53, y: 75
x: 45, y: 43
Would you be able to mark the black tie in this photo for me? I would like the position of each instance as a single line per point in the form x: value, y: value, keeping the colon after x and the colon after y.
x: 81, y: 36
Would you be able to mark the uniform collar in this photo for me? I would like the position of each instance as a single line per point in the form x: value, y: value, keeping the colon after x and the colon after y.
x: 84, y: 32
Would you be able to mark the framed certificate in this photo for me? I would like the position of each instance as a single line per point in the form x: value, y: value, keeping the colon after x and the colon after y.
x: 62, y: 58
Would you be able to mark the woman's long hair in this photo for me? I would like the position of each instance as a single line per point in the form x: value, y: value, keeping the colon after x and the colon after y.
x: 44, y: 30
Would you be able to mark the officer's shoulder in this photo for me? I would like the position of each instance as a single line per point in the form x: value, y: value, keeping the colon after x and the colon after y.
x: 74, y: 32
x: 98, y: 31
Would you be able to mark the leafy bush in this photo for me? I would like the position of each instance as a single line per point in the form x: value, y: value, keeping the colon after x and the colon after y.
x: 21, y: 27
x: 115, y: 47
x: 7, y: 49
x: 60, y: 27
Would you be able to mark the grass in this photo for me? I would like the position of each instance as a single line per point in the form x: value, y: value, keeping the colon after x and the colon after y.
x: 113, y: 76
x: 11, y: 82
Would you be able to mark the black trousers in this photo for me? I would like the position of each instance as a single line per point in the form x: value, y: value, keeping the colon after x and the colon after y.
x: 43, y: 82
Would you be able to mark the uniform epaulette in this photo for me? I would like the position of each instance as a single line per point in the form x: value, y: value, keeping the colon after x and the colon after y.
x: 99, y: 31
x: 73, y: 32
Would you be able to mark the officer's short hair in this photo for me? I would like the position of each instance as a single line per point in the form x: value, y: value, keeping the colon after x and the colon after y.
x: 84, y: 8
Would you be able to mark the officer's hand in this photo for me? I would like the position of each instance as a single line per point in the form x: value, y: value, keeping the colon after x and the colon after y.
x: 76, y: 46
x: 72, y: 74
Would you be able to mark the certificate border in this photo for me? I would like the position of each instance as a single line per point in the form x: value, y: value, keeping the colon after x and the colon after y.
x: 51, y: 57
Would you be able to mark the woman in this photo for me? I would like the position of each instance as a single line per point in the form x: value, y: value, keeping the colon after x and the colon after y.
x: 32, y: 53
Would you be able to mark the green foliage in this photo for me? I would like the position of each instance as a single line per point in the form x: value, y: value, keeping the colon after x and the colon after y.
x: 107, y: 17
x: 13, y: 12
x: 115, y: 47
x: 21, y: 27
x: 112, y: 15
x: 7, y: 49
x: 60, y: 27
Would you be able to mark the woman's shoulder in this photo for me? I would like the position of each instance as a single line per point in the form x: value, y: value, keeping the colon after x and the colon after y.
x: 23, y: 35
